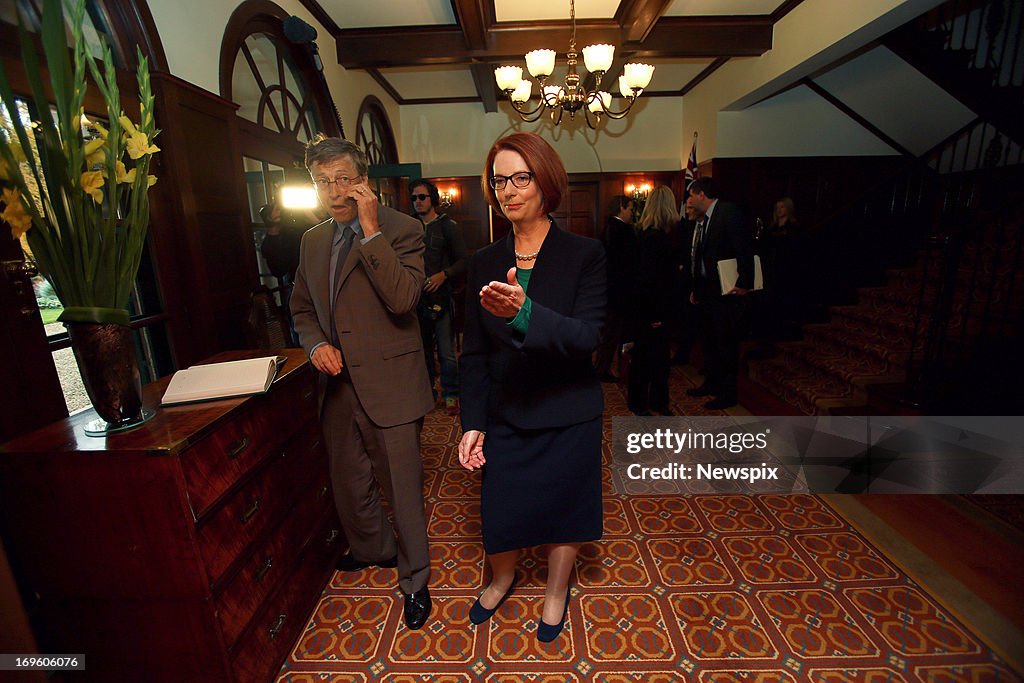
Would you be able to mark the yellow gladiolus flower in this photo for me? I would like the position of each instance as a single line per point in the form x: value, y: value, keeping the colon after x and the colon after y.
x: 14, y: 213
x: 123, y: 175
x: 95, y: 152
x: 138, y: 145
x: 92, y: 183
x: 127, y: 124
x: 150, y: 181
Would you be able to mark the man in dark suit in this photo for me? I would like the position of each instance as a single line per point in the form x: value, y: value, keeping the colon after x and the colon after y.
x: 722, y: 234
x: 356, y: 289
x: 620, y: 247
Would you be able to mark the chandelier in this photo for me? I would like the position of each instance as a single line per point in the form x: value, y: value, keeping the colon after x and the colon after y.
x: 571, y: 97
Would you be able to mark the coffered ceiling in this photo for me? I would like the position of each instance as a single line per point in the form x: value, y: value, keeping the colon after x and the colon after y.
x: 435, y: 51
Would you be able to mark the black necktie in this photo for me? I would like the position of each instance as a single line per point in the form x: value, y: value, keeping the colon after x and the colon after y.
x: 698, y: 248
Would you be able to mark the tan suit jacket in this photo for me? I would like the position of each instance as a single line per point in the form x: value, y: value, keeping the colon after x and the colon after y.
x: 375, y: 318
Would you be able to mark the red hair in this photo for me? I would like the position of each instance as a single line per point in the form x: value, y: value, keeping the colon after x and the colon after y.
x: 541, y: 158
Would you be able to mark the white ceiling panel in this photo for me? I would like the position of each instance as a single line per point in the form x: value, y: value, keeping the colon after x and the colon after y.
x: 882, y: 88
x: 674, y: 74
x: 700, y: 8
x: 541, y: 10
x: 378, y: 13
x: 423, y: 82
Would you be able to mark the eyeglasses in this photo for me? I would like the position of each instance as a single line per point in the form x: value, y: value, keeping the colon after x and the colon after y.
x: 421, y: 197
x: 341, y: 181
x: 519, y: 180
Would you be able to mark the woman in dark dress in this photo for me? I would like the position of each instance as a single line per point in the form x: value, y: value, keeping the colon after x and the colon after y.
x: 652, y: 304
x: 531, y: 411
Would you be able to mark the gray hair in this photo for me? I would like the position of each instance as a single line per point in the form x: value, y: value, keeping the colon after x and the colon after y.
x: 322, y: 150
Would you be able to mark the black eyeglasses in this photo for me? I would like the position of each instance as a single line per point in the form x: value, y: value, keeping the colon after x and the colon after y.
x: 519, y: 180
x: 421, y: 197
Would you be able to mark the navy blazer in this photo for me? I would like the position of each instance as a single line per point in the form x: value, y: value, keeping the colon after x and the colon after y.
x: 546, y: 378
x: 729, y: 236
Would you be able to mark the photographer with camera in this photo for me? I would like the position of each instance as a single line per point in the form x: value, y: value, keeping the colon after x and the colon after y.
x: 444, y: 259
x: 280, y: 247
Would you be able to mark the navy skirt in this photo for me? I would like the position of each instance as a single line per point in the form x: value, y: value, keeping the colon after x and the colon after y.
x: 541, y: 486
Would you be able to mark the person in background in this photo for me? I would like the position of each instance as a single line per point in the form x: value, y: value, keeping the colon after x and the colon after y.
x: 444, y: 261
x: 531, y: 404
x: 685, y: 322
x: 620, y: 248
x: 722, y: 234
x: 776, y: 316
x: 280, y: 247
x: 651, y: 308
x: 359, y: 279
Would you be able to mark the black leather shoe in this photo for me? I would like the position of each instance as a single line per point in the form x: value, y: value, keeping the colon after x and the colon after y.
x: 609, y: 379
x: 478, y: 614
x: 720, y: 403
x: 664, y: 410
x: 347, y: 563
x: 703, y: 390
x: 417, y: 608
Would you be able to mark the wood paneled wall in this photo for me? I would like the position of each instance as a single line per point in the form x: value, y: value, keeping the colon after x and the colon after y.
x: 819, y: 186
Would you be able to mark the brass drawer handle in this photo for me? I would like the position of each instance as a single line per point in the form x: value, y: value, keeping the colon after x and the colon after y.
x: 262, y: 571
x: 276, y: 628
x: 250, y: 512
x: 235, y: 449
x: 323, y: 492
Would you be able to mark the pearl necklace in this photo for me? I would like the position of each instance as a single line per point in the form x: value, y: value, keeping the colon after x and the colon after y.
x: 527, y: 257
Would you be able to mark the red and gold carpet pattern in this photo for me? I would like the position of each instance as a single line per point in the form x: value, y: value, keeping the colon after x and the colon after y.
x: 716, y: 589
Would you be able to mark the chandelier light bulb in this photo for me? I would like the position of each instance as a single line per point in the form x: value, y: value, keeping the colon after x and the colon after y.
x: 598, y: 57
x: 540, y: 63
x: 624, y: 88
x: 508, y: 77
x: 602, y: 100
x: 551, y: 94
x: 522, y: 91
x: 638, y: 76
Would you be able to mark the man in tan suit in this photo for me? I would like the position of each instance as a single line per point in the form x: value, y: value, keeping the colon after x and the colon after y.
x: 354, y: 306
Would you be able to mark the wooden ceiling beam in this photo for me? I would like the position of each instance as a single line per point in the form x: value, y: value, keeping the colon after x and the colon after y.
x: 508, y: 42
x: 638, y: 17
x: 472, y: 20
x: 486, y: 87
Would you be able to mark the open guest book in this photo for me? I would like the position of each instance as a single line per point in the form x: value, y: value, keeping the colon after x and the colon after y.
x: 222, y: 380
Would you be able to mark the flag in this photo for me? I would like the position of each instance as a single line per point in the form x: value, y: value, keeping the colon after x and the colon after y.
x: 691, y: 165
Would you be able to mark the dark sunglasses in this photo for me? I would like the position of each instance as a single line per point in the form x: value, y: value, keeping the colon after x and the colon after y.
x: 421, y: 197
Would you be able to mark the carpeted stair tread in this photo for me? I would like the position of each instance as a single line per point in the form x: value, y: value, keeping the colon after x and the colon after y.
x: 848, y: 364
x: 811, y: 390
x: 876, y: 342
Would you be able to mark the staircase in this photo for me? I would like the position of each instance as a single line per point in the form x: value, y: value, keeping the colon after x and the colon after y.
x: 891, y: 327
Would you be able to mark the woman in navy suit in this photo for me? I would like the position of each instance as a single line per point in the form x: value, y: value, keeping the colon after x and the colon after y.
x: 531, y: 412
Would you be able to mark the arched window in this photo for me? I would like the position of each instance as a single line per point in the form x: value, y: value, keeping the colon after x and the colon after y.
x: 373, y: 133
x: 272, y: 80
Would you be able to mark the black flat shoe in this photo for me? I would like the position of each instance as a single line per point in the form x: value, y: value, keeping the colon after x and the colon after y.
x: 417, y: 608
x: 545, y: 631
x: 478, y: 614
x: 347, y: 563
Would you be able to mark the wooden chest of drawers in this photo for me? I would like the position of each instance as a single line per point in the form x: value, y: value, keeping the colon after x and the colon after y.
x: 192, y: 548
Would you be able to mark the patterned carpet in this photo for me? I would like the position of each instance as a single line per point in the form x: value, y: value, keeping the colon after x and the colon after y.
x: 751, y: 589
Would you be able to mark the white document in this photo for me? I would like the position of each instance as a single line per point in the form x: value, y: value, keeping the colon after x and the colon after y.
x: 728, y: 274
x: 222, y: 380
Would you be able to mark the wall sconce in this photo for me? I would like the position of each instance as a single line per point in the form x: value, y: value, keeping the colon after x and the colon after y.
x: 640, y: 192
x: 448, y: 196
